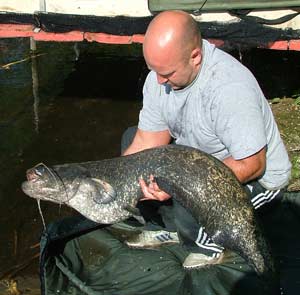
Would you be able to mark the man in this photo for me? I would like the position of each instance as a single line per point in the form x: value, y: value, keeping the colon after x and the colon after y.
x: 202, y: 97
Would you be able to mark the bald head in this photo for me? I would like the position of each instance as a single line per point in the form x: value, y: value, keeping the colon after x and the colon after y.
x: 172, y: 29
x: 172, y: 37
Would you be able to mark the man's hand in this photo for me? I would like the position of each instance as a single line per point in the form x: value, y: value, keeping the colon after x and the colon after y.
x: 152, y: 191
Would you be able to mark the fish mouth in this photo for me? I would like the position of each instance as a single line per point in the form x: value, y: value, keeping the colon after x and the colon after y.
x: 40, y: 179
x: 32, y: 176
x: 44, y: 183
x: 39, y: 172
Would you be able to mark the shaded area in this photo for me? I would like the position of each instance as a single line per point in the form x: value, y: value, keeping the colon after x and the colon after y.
x: 276, y: 71
x: 282, y: 225
x: 117, y: 72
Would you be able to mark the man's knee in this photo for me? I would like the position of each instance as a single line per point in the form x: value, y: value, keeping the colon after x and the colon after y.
x: 127, y: 137
x: 186, y: 224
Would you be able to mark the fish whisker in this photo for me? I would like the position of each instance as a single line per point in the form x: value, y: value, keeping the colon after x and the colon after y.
x: 41, y: 213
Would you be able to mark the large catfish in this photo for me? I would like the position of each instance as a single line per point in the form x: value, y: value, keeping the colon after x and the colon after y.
x: 107, y: 191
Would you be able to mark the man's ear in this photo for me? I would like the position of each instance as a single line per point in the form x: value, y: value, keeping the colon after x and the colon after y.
x: 196, y: 56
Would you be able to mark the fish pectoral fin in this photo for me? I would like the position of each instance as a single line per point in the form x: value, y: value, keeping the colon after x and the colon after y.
x: 105, y: 193
x: 135, y: 212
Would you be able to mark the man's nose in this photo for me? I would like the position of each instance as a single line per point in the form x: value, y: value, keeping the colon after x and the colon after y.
x: 161, y: 80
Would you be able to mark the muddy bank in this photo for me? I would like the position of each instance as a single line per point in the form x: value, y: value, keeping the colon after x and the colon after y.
x: 287, y: 114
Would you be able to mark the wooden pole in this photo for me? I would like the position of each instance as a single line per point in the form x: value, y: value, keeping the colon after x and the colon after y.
x: 35, y: 84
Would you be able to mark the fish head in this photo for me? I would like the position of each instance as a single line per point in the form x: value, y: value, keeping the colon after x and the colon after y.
x: 61, y: 184
x: 50, y: 184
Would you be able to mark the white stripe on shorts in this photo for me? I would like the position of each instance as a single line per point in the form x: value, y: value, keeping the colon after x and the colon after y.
x: 264, y: 198
x: 203, y: 241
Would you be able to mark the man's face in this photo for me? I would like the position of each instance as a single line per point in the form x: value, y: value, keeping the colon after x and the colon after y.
x: 172, y: 67
x: 176, y: 73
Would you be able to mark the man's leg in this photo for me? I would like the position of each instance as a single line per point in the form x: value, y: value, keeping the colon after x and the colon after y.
x: 194, y: 239
x: 262, y: 198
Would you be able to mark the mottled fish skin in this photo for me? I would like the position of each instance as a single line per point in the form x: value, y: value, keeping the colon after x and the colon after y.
x: 200, y: 182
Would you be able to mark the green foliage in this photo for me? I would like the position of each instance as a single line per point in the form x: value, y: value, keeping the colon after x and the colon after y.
x: 296, y: 96
x: 275, y: 100
x: 297, y: 101
x: 295, y: 166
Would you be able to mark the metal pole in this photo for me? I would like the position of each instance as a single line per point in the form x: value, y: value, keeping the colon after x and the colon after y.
x: 43, y: 5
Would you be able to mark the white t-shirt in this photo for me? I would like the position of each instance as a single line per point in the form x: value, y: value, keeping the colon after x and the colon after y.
x: 223, y: 113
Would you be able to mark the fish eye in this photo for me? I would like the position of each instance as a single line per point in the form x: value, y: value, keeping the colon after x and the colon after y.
x: 39, y: 169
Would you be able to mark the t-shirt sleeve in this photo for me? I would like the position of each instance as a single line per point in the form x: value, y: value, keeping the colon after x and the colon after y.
x: 150, y: 117
x: 239, y: 121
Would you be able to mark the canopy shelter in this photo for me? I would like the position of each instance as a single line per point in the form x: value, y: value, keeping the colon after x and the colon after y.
x: 197, y: 6
x: 228, y: 24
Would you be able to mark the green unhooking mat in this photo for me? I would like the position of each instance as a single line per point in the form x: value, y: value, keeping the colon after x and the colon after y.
x: 81, y: 257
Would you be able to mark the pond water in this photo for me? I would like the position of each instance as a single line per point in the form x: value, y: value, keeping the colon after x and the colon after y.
x: 71, y: 103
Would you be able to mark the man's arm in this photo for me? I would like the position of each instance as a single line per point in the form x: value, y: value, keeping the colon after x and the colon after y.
x: 248, y: 168
x: 147, y: 139
x: 245, y: 170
